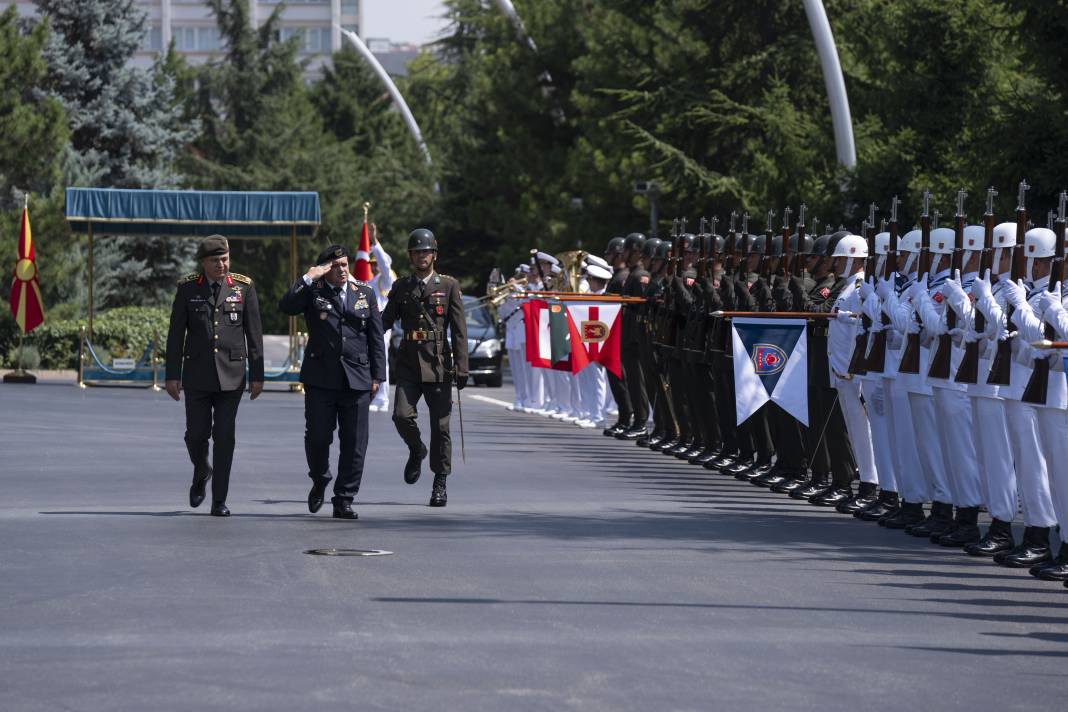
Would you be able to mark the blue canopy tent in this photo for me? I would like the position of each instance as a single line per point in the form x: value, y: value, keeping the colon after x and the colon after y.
x: 252, y: 215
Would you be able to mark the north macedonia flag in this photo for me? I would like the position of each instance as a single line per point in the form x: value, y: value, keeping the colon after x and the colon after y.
x: 25, y: 299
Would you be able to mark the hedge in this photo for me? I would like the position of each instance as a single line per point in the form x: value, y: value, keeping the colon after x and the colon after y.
x: 121, y: 332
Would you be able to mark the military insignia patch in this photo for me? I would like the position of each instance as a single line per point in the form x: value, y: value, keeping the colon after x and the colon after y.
x: 440, y: 310
x: 233, y: 317
x: 938, y: 297
x: 768, y: 359
x: 361, y: 304
x: 825, y: 292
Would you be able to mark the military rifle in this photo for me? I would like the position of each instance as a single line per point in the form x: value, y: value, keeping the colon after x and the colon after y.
x: 732, y: 234
x: 1038, y: 386
x: 877, y: 353
x: 713, y: 254
x: 1001, y: 370
x: 680, y: 249
x: 674, y: 256
x: 910, y: 357
x: 702, y: 254
x: 968, y: 370
x: 858, y: 362
x: 940, y: 362
x: 769, y: 234
x: 743, y: 259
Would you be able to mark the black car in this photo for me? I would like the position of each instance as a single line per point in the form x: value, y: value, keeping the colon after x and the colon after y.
x: 484, y: 347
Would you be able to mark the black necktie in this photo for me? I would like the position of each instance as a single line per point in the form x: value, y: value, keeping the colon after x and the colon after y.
x: 215, y: 291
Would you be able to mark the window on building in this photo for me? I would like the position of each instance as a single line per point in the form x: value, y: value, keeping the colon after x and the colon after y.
x: 153, y: 39
x: 313, y: 40
x: 208, y: 39
x: 350, y: 7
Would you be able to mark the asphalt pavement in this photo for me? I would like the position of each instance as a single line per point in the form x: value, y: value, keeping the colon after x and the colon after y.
x: 569, y: 572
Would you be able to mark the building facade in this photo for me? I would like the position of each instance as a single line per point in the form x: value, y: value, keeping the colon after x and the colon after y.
x: 191, y: 25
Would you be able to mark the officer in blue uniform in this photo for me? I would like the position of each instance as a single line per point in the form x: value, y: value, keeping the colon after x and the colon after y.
x: 344, y: 363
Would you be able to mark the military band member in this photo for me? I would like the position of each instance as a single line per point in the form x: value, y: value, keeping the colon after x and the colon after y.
x: 431, y: 311
x: 343, y: 367
x: 214, y: 334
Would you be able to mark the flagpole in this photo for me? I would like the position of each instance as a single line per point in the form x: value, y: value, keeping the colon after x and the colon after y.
x: 20, y: 374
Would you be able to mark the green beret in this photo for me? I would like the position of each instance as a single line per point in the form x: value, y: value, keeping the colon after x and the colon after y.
x: 212, y: 246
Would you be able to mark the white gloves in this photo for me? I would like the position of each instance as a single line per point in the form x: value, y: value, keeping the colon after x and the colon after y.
x: 1015, y: 294
x: 845, y: 317
x: 981, y: 287
x: 866, y: 290
x: 884, y: 289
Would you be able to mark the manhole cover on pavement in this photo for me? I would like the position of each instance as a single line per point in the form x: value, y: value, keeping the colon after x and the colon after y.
x: 348, y: 552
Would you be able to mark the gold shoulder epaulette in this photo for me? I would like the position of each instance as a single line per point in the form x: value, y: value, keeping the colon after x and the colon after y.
x: 241, y: 278
x: 187, y: 279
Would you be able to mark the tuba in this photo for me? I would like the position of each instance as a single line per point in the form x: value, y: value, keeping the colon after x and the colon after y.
x: 571, y: 266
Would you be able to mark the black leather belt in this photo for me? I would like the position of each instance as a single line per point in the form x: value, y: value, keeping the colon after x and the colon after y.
x: 420, y: 335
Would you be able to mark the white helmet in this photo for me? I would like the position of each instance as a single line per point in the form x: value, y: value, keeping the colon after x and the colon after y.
x: 854, y: 247
x: 882, y: 246
x: 1039, y: 242
x: 973, y: 237
x: 1004, y: 237
x: 942, y: 239
x: 910, y: 242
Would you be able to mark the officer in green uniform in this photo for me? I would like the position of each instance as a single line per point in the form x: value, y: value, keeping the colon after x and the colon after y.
x: 428, y: 305
x: 214, y: 333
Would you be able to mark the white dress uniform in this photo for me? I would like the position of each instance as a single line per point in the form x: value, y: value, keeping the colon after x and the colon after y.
x: 1038, y: 429
x: 515, y: 340
x: 381, y: 286
x: 1055, y: 430
x: 536, y: 381
x: 593, y: 384
x: 841, y: 340
x: 874, y: 388
x: 927, y: 481
x: 993, y: 444
x: 952, y: 407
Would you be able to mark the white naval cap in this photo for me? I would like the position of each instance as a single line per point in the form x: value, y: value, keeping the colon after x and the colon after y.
x: 546, y: 257
x: 595, y: 260
x: 555, y: 269
x: 524, y: 268
x: 598, y: 272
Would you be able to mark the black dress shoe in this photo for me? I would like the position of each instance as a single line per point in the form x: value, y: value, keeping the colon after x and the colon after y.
x: 680, y: 449
x: 653, y: 439
x: 315, y: 497
x: 908, y: 514
x: 773, y: 476
x: 885, y: 504
x: 1055, y: 570
x: 795, y: 481
x: 218, y: 509
x: 343, y: 510
x: 834, y: 496
x: 965, y: 531
x: 706, y: 457
x: 720, y: 463
x: 1033, y: 550
x: 438, y: 495
x: 633, y: 434
x: 693, y: 453
x: 668, y: 442
x: 817, y: 484
x: 414, y: 467
x: 998, y: 538
x: 615, y: 430
x: 740, y: 464
x: 196, y: 490
x: 866, y: 496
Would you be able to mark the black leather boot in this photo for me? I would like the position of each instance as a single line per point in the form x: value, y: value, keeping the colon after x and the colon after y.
x: 939, y: 522
x: 202, y: 473
x: 886, y: 504
x: 908, y: 514
x: 343, y: 509
x: 1034, y: 549
x: 1055, y: 570
x: 414, y: 467
x: 998, y: 538
x: 438, y: 496
x: 865, y: 496
x: 966, y: 531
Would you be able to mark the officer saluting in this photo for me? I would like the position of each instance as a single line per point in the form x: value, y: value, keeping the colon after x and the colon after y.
x: 427, y: 304
x: 214, y: 332
x: 344, y: 363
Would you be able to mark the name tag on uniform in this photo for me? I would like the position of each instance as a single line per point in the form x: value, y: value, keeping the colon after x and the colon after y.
x: 233, y: 317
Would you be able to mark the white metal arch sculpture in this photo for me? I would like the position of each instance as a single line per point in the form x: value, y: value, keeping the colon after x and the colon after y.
x: 844, y: 145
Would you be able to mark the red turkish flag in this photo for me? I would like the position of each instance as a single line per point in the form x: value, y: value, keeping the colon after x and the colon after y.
x: 26, y: 303
x: 362, y: 270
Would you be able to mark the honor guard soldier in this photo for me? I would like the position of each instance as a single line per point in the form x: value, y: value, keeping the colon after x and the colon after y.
x: 428, y: 304
x: 344, y: 364
x: 214, y: 334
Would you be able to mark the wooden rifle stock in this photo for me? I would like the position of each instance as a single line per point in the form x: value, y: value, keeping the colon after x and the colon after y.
x: 858, y: 363
x: 968, y: 370
x: 1001, y: 370
x: 1037, y: 388
x: 940, y: 362
x: 877, y: 353
x: 910, y: 357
